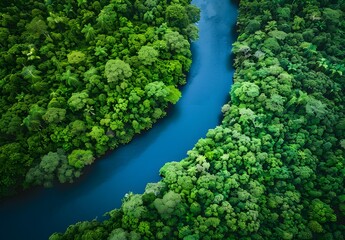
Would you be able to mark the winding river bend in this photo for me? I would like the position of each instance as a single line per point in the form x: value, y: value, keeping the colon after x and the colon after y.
x: 39, y: 213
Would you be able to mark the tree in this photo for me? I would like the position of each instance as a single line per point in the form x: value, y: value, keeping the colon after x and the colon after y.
x: 166, y: 205
x: 106, y: 19
x: 89, y: 32
x: 36, y: 27
x: 192, y: 32
x: 315, y: 108
x: 77, y: 101
x: 44, y: 172
x: 31, y: 73
x: 54, y: 115
x: 276, y: 103
x: 332, y: 16
x: 81, y: 2
x: 176, y: 16
x: 117, y: 70
x: 76, y: 127
x: 12, y: 155
x: 253, y: 26
x: 193, y: 13
x: 10, y: 123
x: 98, y: 134
x: 244, y: 91
x: 76, y: 57
x: 79, y: 158
x: 157, y: 89
x: 101, y: 51
x: 321, y: 212
x: 173, y: 94
x: 33, y: 120
x: 70, y: 78
x: 56, y: 21
x: 177, y: 43
x: 147, y: 55
x: 133, y: 206
x: 118, y: 234
x: 246, y: 115
x: 272, y: 45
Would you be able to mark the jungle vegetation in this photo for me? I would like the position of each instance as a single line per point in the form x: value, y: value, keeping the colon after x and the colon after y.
x: 79, y: 78
x: 275, y: 166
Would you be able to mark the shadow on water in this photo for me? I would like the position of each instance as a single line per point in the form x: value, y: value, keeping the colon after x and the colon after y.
x: 230, y: 61
x: 235, y: 2
x: 234, y: 35
x: 191, y: 74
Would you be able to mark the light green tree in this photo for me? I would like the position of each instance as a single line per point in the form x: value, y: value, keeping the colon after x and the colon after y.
x: 54, y: 115
x: 147, y: 55
x: 89, y: 32
x: 76, y: 57
x: 79, y: 158
x: 117, y: 70
x: 166, y: 205
x: 77, y: 101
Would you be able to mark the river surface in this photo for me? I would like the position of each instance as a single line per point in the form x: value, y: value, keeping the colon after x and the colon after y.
x: 36, y: 214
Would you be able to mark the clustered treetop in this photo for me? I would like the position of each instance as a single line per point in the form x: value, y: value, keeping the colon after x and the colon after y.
x: 78, y: 78
x: 275, y: 167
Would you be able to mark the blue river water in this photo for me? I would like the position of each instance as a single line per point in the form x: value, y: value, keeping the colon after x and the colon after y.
x: 36, y: 214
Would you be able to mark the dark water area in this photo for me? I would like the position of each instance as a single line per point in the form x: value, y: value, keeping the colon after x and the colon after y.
x: 38, y: 213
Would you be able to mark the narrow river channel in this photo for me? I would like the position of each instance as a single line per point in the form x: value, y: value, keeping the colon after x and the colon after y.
x: 37, y: 214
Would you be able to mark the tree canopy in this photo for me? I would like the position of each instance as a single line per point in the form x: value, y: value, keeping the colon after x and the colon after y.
x: 274, y: 167
x: 78, y: 78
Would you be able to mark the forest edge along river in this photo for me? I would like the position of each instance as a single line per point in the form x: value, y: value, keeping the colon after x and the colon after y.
x: 38, y: 213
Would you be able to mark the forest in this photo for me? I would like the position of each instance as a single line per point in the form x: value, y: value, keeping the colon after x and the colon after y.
x: 274, y: 167
x: 79, y: 78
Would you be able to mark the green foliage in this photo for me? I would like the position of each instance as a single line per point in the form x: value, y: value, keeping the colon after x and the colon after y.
x: 44, y: 173
x: 193, y: 13
x: 245, y: 92
x: 321, y: 212
x: 83, y: 75
x: 157, y: 90
x: 192, y: 32
x: 54, y: 115
x: 118, y: 234
x: 70, y: 78
x: 77, y: 101
x: 177, y: 43
x: 173, y: 94
x: 133, y: 206
x: 315, y: 108
x: 147, y: 55
x: 89, y: 31
x: 31, y: 73
x: 79, y: 158
x: 166, y: 206
x: 176, y: 16
x: 274, y: 167
x: 76, y: 57
x: 272, y: 45
x: 36, y: 27
x: 332, y: 16
x: 33, y: 120
x: 253, y: 25
x: 117, y: 70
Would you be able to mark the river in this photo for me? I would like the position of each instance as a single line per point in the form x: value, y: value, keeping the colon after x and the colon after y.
x: 36, y: 214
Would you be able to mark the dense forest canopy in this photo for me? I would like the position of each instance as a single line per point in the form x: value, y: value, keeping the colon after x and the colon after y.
x: 78, y: 78
x: 275, y: 167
